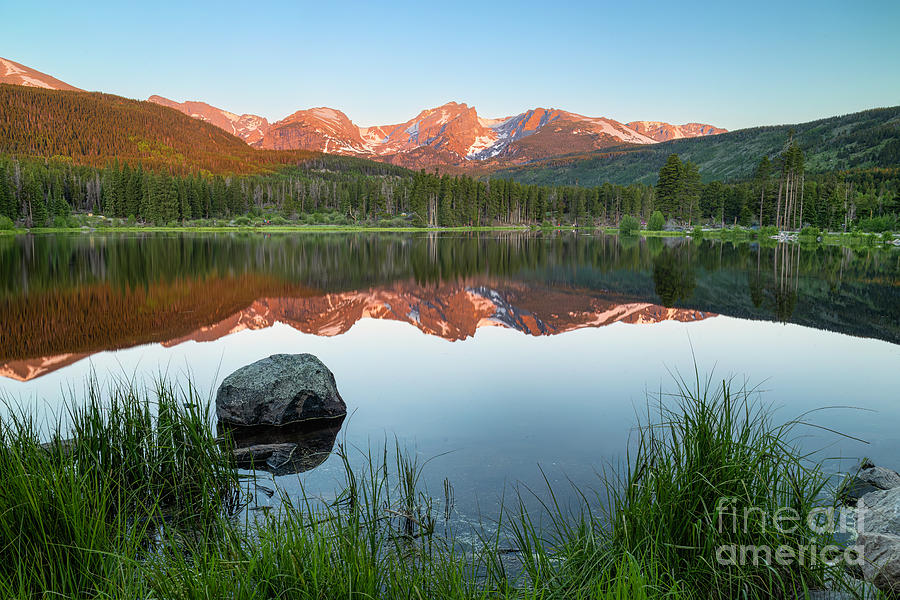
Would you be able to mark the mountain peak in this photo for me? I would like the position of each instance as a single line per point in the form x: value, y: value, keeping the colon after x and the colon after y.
x: 450, y: 134
x: 250, y: 128
x: 16, y: 74
x: 322, y: 129
x: 659, y: 131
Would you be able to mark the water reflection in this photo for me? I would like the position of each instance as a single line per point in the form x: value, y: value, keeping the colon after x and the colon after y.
x: 673, y: 275
x: 452, y: 312
x: 63, y: 298
x: 529, y: 391
x: 286, y: 450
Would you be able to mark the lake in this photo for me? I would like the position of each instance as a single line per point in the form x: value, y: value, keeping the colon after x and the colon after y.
x: 502, y: 357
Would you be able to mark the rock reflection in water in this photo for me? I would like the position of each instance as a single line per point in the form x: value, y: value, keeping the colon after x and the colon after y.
x: 283, y: 450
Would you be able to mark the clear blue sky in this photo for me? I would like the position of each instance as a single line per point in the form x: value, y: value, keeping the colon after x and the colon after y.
x: 380, y: 62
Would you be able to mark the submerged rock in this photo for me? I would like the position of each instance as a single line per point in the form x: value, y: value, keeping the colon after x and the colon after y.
x: 282, y: 389
x: 282, y: 450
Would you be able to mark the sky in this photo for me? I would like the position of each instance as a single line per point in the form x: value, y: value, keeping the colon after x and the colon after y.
x: 730, y: 64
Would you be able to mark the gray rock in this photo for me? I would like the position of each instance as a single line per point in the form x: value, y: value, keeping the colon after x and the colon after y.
x: 878, y: 524
x: 853, y: 489
x: 251, y: 457
x: 879, y: 477
x: 868, y: 478
x: 280, y: 390
x: 882, y: 561
x: 849, y: 590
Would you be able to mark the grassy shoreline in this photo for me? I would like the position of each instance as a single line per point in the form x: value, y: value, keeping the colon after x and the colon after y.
x: 137, y: 497
x: 725, y: 234
x: 259, y: 229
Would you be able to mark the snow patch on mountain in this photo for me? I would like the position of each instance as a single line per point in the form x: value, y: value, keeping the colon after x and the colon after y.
x: 481, y: 143
x: 10, y: 67
x: 453, y: 131
x: 327, y: 114
x: 372, y: 136
x: 616, y: 130
x: 16, y: 74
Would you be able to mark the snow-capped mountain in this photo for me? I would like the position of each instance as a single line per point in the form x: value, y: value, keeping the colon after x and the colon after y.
x: 451, y: 134
x: 452, y: 127
x: 320, y: 129
x: 543, y: 132
x: 250, y: 128
x: 14, y: 73
x: 661, y: 132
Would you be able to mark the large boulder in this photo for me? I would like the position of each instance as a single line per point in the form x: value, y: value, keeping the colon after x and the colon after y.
x: 879, y: 477
x: 283, y: 389
x: 878, y: 526
x: 868, y: 478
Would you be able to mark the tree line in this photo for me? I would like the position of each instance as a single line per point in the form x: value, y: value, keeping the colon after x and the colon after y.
x: 780, y: 194
x: 60, y: 288
x: 38, y: 193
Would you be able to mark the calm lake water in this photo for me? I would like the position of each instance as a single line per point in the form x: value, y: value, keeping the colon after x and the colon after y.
x: 497, y: 355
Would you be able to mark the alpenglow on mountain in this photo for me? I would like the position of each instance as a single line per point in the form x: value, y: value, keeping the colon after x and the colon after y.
x: 451, y: 134
x: 16, y: 74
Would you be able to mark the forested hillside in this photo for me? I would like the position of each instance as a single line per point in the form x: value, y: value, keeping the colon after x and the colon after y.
x: 864, y: 140
x: 63, y: 152
x: 94, y: 128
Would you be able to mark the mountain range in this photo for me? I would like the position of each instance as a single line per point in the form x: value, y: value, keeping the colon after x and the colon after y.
x: 539, y: 146
x: 862, y: 140
x: 453, y: 134
x: 450, y: 134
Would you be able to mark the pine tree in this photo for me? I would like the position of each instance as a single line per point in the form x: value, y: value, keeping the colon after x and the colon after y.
x: 762, y: 181
x: 789, y: 212
x: 689, y: 189
x: 134, y: 193
x: 36, y: 207
x: 7, y: 203
x: 668, y: 186
x: 58, y: 205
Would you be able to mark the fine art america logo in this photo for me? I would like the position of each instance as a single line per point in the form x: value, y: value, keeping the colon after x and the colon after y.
x: 786, y: 523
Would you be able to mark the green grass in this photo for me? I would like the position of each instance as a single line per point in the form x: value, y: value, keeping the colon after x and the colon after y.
x: 82, y: 510
x: 138, y: 504
x: 663, y: 234
x: 266, y: 229
x: 734, y: 234
x: 704, y: 444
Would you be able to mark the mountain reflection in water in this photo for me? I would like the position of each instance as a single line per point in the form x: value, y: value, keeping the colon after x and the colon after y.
x: 453, y: 312
x: 64, y: 298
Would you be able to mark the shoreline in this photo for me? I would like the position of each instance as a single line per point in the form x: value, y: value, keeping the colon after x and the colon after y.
x: 385, y: 534
x: 724, y: 234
